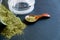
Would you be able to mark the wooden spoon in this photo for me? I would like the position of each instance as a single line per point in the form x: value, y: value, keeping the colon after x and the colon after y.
x: 33, y: 18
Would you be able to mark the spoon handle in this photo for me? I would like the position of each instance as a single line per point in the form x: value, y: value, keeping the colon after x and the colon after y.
x: 42, y: 15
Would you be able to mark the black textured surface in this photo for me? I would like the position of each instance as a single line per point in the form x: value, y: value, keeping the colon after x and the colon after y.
x: 48, y: 29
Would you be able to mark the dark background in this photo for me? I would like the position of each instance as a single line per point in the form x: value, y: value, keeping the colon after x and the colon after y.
x: 48, y: 29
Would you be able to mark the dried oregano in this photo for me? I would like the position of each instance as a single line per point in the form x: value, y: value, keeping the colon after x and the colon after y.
x: 14, y: 25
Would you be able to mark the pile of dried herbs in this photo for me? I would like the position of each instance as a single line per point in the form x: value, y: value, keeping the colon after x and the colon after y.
x: 14, y: 25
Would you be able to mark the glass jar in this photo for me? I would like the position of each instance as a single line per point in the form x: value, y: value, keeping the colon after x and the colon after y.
x: 0, y: 1
x: 21, y: 6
